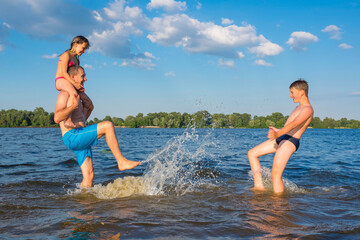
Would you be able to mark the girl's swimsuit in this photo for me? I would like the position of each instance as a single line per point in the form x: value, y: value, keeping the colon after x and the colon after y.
x: 69, y: 65
x: 293, y: 140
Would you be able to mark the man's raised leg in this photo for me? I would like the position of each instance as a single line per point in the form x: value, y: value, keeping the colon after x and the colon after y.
x: 282, y: 156
x: 87, y: 172
x: 107, y: 128
x: 253, y: 155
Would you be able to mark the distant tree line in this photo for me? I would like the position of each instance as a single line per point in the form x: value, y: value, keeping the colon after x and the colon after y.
x: 19, y: 118
x: 201, y: 119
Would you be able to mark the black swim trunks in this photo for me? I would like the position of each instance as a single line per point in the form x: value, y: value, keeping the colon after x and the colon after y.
x: 284, y: 137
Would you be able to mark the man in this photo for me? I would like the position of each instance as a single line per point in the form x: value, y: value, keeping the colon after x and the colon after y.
x: 80, y: 139
x: 285, y: 141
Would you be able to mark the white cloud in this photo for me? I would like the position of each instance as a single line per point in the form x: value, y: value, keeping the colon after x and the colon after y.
x: 167, y: 5
x: 170, y: 74
x: 262, y: 62
x: 148, y: 55
x: 114, y: 41
x: 334, y: 31
x: 139, y: 62
x: 194, y: 36
x: 97, y: 16
x: 4, y: 34
x: 345, y: 46
x: 226, y: 21
x: 227, y: 63
x: 119, y: 23
x: 6, y: 25
x: 355, y: 93
x: 241, y: 55
x: 111, y: 29
x: 88, y: 66
x: 42, y: 18
x: 108, y: 29
x: 299, y: 40
x: 52, y: 56
x: 266, y: 48
x: 198, y: 6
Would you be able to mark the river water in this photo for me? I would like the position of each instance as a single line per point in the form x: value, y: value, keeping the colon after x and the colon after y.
x: 192, y: 184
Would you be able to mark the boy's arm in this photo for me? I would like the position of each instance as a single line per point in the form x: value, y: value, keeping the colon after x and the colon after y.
x: 62, y: 112
x: 304, y: 115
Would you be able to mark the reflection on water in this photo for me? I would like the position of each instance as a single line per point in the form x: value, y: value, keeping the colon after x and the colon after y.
x: 193, y: 184
x: 271, y: 215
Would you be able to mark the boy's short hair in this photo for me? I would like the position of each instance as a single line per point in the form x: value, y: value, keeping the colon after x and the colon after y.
x: 74, y: 69
x: 301, y: 84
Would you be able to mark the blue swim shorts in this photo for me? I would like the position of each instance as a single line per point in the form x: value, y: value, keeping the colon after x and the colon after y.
x: 293, y: 140
x: 80, y: 141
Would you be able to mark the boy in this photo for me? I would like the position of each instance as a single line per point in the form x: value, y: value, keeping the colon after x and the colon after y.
x: 285, y: 141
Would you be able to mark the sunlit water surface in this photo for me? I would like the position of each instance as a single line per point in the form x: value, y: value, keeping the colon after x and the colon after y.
x: 192, y: 184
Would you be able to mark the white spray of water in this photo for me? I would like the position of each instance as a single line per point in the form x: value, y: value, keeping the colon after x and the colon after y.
x: 171, y: 170
x: 289, y: 186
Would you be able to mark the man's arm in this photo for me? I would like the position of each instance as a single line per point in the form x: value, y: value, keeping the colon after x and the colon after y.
x: 62, y: 112
x: 304, y: 115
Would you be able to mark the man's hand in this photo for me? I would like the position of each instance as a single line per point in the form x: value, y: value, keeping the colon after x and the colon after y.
x: 78, y: 86
x: 272, y: 134
x: 81, y: 90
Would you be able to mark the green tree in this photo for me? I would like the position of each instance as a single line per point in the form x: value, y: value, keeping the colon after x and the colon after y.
x: 108, y: 118
x: 316, y: 123
x: 130, y: 121
x: 201, y: 119
x: 186, y: 119
x: 219, y: 120
x: 41, y: 118
x: 329, y: 122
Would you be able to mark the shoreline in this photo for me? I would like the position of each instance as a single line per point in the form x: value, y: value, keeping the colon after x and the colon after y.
x: 157, y: 127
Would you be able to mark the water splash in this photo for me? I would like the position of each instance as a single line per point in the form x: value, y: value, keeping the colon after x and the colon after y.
x: 289, y: 186
x: 183, y: 164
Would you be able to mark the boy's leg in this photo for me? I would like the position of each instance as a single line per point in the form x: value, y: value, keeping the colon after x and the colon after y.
x: 87, y: 172
x: 107, y: 128
x: 264, y: 148
x: 282, y: 156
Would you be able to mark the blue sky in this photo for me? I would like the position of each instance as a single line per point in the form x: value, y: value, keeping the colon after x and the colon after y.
x: 184, y: 56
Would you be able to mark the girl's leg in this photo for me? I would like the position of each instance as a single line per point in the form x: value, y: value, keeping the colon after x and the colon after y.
x: 64, y: 85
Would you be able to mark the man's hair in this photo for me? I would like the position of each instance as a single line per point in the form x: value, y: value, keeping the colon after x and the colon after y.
x: 74, y: 69
x: 301, y: 84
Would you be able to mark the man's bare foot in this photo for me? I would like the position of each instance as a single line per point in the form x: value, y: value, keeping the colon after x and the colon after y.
x: 125, y: 164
